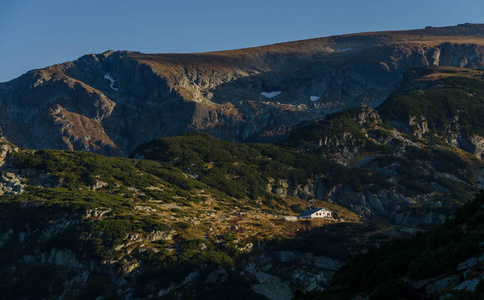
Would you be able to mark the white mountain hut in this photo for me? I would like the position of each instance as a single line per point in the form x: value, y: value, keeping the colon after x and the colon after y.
x: 316, y: 213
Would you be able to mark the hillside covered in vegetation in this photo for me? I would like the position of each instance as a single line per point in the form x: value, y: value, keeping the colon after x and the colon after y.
x: 193, y: 216
x: 446, y: 260
x: 102, y: 226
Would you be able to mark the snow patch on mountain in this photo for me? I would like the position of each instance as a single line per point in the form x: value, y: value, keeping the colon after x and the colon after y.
x: 108, y: 77
x: 270, y: 94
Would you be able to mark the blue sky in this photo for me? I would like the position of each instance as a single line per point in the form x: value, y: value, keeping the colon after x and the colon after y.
x: 35, y: 34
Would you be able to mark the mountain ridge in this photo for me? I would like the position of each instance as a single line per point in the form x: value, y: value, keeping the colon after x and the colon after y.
x: 111, y: 102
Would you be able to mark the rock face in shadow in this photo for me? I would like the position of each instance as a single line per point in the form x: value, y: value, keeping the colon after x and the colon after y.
x: 109, y: 103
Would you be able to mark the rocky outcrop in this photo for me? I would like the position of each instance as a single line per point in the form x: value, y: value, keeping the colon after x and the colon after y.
x: 477, y: 145
x: 466, y: 277
x: 308, y: 259
x: 419, y: 126
x: 368, y: 115
x: 6, y: 149
x: 11, y: 183
x: 399, y: 208
x: 274, y: 271
x: 272, y: 287
x: 161, y: 236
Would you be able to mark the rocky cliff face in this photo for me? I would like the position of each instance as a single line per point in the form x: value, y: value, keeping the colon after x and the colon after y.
x: 394, y: 204
x: 111, y: 102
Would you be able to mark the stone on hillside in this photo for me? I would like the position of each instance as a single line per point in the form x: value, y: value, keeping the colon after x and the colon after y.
x: 433, y: 289
x: 469, y: 285
x: 218, y: 276
x: 97, y: 212
x: 160, y: 235
x: 471, y: 262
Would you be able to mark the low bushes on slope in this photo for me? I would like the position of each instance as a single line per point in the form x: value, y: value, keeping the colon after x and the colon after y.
x: 425, y: 255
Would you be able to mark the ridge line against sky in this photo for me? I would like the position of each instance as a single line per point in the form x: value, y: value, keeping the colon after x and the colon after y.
x: 38, y: 33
